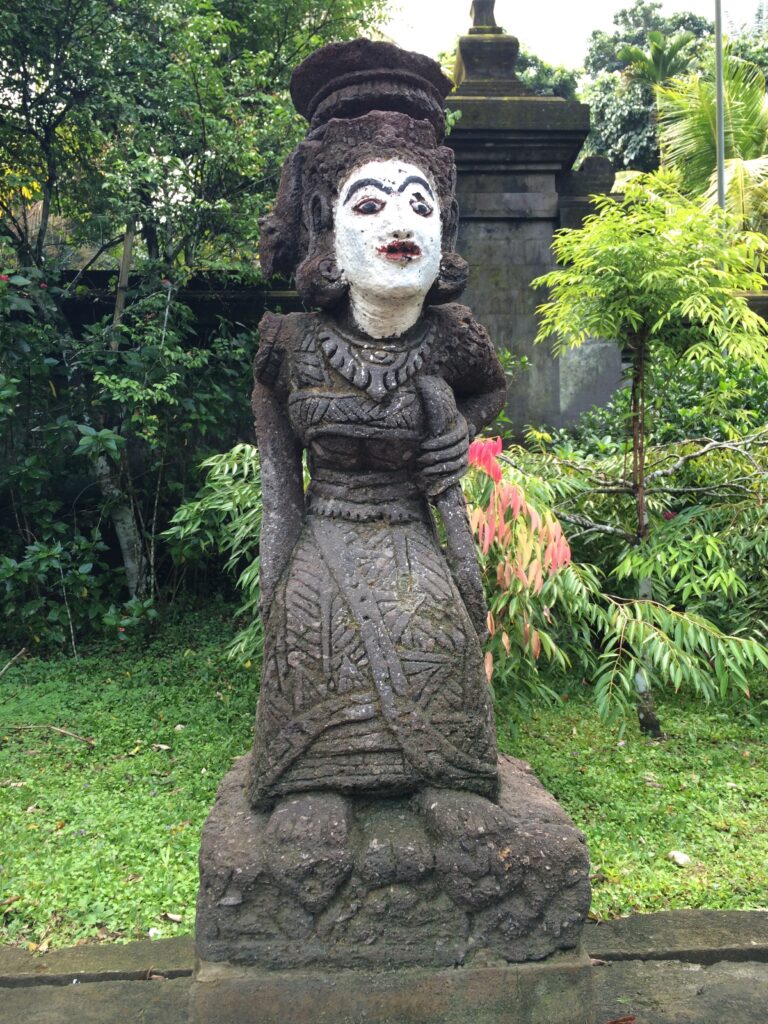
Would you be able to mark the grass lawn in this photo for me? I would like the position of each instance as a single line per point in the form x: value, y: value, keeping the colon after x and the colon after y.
x: 99, y: 840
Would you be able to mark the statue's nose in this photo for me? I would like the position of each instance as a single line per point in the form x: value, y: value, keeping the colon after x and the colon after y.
x: 402, y: 235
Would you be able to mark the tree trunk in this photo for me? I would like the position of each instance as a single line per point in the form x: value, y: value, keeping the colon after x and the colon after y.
x: 126, y: 527
x: 108, y: 475
x: 646, y: 708
x: 122, y: 281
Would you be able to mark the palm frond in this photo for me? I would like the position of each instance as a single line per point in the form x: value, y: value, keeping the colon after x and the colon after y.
x: 688, y: 126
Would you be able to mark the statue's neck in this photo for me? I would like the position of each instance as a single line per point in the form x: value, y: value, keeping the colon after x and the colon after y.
x: 381, y: 316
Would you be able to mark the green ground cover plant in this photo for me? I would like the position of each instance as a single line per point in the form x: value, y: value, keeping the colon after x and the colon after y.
x: 100, y: 839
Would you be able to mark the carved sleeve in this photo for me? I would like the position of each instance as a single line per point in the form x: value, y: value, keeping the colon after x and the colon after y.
x: 472, y: 368
x: 280, y: 456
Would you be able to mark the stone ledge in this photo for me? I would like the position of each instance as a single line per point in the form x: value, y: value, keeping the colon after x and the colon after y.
x: 692, y: 936
x: 651, y: 992
x: 646, y: 980
x: 532, y: 993
x: 132, y: 961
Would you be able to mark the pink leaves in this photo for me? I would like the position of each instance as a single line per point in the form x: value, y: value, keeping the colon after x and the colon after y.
x: 521, y: 547
x: 558, y: 552
x: 530, y: 545
x: 483, y: 452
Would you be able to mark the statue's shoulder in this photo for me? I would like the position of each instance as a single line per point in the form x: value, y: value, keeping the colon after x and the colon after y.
x: 285, y: 329
x: 282, y: 339
x: 461, y: 342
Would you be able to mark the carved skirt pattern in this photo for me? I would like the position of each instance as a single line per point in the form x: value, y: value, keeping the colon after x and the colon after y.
x: 373, y: 678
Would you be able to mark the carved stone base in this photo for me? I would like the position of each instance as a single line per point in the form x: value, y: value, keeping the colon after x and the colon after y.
x: 558, y: 991
x: 437, y: 879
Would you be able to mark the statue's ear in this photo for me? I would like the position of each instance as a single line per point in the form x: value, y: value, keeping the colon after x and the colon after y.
x: 320, y: 214
x: 319, y: 281
x: 451, y: 280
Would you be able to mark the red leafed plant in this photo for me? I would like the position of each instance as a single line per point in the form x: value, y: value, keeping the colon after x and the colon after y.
x: 522, y: 549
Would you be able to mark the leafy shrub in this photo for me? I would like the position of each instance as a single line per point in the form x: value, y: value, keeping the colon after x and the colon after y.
x: 97, y: 430
x: 547, y: 598
x: 225, y: 517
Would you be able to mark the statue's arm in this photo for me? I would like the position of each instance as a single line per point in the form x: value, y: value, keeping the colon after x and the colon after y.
x: 282, y: 488
x: 480, y: 387
x: 477, y: 387
x: 282, y: 484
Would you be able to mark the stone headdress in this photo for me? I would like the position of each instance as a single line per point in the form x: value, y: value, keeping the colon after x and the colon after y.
x: 364, y: 101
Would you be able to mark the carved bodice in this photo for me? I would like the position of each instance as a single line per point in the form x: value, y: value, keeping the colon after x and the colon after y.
x: 355, y: 408
x: 354, y: 405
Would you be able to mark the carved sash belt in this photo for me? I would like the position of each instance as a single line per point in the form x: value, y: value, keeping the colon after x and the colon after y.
x: 365, y: 497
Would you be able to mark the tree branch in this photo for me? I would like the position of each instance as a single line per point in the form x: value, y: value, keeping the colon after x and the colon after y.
x: 13, y: 661
x: 588, y: 526
x: 736, y: 446
x: 55, y: 728
x: 101, y: 250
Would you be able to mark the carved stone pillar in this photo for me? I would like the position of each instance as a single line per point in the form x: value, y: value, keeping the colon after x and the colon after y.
x: 514, y: 154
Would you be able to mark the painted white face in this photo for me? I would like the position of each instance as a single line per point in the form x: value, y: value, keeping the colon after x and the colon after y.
x: 388, y: 230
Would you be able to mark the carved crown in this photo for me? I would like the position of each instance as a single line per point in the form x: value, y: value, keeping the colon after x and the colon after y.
x: 348, y: 80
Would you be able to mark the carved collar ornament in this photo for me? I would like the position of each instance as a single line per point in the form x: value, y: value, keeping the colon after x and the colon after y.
x: 376, y: 366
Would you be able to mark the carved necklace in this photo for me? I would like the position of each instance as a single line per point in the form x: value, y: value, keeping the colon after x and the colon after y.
x: 375, y: 366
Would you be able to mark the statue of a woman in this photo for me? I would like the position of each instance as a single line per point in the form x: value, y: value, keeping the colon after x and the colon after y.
x: 373, y: 678
x: 372, y: 825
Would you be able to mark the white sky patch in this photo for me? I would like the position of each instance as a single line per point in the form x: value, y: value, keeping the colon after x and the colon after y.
x: 558, y: 31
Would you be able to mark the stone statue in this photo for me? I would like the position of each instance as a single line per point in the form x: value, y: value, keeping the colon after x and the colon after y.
x: 371, y: 823
x: 482, y: 14
x: 373, y: 675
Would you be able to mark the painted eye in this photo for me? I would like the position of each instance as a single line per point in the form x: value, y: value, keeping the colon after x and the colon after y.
x: 421, y: 206
x: 369, y: 206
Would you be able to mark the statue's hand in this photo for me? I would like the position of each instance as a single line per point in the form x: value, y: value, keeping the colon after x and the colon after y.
x: 443, y: 459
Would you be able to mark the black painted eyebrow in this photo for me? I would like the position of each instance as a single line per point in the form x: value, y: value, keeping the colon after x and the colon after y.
x: 364, y: 183
x: 416, y: 180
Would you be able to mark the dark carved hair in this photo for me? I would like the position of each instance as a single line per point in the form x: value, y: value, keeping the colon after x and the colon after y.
x: 298, y: 236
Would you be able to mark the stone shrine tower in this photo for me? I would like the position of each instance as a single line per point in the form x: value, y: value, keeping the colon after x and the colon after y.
x: 514, y: 154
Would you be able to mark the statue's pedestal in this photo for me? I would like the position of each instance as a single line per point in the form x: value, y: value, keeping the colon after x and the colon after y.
x: 435, y: 880
x: 558, y: 990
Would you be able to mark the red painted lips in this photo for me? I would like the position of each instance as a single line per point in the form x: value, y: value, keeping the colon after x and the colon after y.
x: 399, y: 250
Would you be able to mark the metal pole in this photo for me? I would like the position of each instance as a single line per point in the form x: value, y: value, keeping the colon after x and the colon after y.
x: 720, y: 105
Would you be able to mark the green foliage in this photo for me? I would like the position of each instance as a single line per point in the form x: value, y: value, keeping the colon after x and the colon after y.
x: 653, y: 265
x: 622, y: 100
x: 184, y: 128
x: 699, y: 403
x: 662, y: 277
x: 224, y: 517
x: 705, y: 547
x: 751, y: 44
x: 623, y: 125
x: 633, y: 26
x: 545, y: 79
x: 687, y: 116
x: 664, y: 58
x: 556, y: 618
x: 140, y: 398
x: 55, y: 588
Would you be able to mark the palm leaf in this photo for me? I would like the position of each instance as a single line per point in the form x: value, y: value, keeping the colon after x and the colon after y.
x: 746, y: 191
x: 688, y: 123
